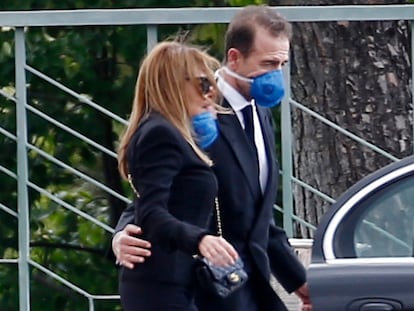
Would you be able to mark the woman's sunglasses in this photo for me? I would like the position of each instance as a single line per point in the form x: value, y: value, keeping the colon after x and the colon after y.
x: 204, y: 84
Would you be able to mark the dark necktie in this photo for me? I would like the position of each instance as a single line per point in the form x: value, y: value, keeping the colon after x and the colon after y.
x: 248, y: 124
x: 249, y: 131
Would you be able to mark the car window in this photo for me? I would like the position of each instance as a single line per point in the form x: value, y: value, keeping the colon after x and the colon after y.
x: 384, y: 226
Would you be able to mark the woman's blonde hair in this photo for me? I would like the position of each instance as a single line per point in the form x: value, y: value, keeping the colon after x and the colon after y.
x: 160, y: 88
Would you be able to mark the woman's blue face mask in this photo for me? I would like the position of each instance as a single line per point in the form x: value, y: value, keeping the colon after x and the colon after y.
x: 266, y: 89
x: 205, y: 128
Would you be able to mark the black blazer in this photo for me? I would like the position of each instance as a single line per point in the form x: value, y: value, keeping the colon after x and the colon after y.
x: 177, y: 191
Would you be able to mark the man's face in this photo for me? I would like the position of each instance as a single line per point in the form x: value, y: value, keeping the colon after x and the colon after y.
x: 269, y: 53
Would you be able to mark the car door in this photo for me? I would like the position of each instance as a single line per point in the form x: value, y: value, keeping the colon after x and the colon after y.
x: 362, y: 256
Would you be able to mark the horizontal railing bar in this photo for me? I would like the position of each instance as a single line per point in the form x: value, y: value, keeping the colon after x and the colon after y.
x: 8, y: 210
x: 8, y: 96
x: 278, y: 208
x: 313, y: 190
x: 59, y: 278
x: 9, y: 260
x: 69, y: 284
x: 72, y: 131
x: 343, y: 131
x: 2, y: 206
x: 8, y: 172
x: 303, y: 222
x: 71, y: 207
x: 198, y: 15
x: 294, y: 217
x: 78, y: 173
x: 105, y: 297
x: 81, y: 98
x: 8, y: 134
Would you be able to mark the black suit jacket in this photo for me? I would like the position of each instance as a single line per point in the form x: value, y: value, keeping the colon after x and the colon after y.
x: 177, y: 191
x: 247, y: 214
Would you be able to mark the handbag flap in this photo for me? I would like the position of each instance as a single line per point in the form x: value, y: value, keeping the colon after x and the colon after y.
x: 220, y: 272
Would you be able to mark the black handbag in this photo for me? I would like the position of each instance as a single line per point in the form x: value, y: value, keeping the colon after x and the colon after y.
x: 220, y: 281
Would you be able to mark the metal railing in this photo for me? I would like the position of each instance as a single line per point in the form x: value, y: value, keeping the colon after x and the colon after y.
x: 151, y: 18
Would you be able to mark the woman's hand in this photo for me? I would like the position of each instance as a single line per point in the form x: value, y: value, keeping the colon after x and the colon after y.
x: 217, y: 250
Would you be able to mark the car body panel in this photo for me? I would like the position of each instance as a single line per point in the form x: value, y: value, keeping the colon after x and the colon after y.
x: 362, y: 255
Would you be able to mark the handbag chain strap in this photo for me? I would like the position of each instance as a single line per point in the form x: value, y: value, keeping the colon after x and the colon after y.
x: 219, y: 227
x: 132, y: 185
x: 216, y: 204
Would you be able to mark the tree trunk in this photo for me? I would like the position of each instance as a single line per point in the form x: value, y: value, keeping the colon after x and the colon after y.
x: 357, y: 75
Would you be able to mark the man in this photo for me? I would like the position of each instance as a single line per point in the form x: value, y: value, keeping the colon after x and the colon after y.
x: 257, y: 46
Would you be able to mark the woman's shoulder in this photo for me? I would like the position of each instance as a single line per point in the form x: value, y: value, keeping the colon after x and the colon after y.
x: 156, y: 120
x: 157, y: 126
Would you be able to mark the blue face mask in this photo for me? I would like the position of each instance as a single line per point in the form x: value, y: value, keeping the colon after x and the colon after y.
x: 267, y: 89
x: 205, y: 128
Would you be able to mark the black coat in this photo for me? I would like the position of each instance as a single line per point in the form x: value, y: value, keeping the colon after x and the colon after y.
x: 177, y: 191
x: 247, y: 213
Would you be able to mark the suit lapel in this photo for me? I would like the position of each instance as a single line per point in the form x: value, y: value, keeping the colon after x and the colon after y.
x: 233, y: 133
x: 267, y: 132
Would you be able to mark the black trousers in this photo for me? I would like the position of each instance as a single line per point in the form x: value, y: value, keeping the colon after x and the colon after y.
x: 155, y: 296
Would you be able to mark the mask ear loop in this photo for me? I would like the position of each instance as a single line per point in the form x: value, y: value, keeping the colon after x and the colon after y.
x: 236, y: 75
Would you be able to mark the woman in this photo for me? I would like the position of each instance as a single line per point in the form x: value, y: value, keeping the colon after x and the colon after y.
x: 172, y: 119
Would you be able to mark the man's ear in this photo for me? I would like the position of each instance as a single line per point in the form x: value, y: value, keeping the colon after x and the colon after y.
x: 233, y: 58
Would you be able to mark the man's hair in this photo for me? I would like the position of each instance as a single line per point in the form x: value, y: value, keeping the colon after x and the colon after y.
x: 245, y: 23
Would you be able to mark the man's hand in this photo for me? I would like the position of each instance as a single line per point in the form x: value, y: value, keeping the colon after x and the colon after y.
x: 129, y: 249
x: 303, y: 293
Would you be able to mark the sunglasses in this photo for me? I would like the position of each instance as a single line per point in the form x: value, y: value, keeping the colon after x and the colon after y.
x: 204, y: 84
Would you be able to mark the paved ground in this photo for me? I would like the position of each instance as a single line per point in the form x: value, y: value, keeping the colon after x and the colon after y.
x: 303, y: 248
x: 291, y: 300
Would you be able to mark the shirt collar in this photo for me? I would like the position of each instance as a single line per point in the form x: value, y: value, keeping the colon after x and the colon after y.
x: 233, y: 97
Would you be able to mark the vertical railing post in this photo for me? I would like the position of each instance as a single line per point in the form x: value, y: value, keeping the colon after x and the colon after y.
x: 22, y: 172
x: 286, y: 136
x: 91, y: 304
x: 152, y: 36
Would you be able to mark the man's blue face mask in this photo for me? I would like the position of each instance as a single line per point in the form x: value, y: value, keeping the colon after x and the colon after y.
x: 205, y: 128
x: 266, y: 89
